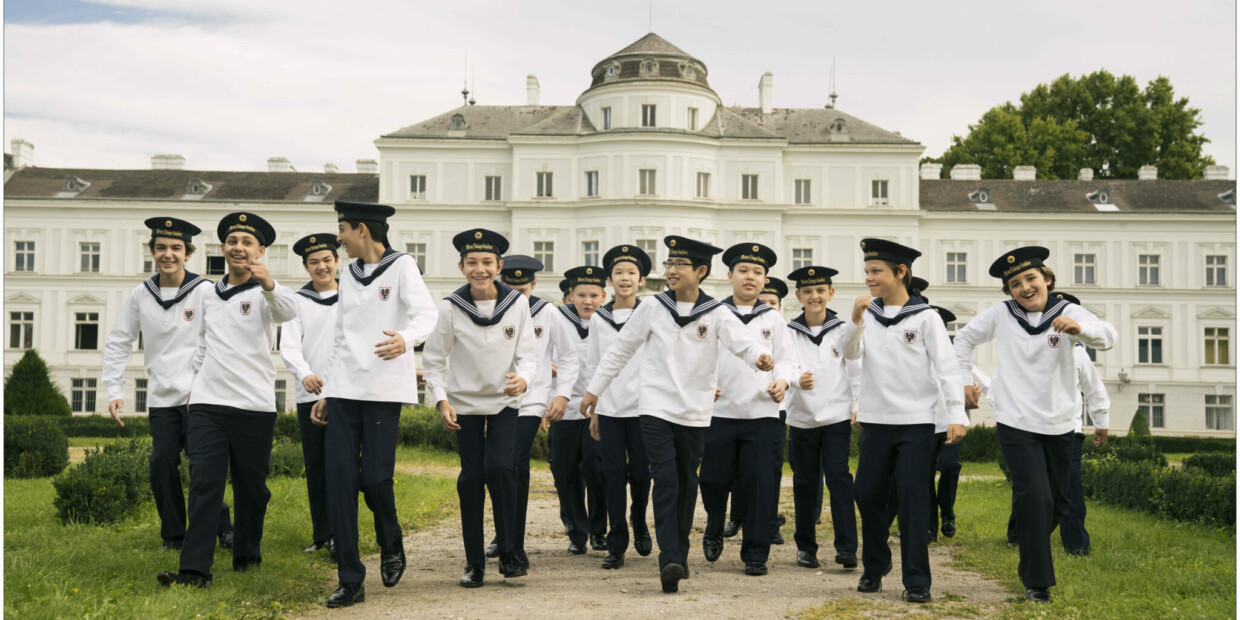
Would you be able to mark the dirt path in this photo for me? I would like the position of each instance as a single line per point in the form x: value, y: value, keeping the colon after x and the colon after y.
x: 564, y: 586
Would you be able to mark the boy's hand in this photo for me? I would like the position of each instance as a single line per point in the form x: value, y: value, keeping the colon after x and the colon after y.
x: 765, y: 362
x: 515, y: 385
x: 1065, y: 325
x: 955, y: 432
x: 447, y: 416
x: 777, y: 389
x: 391, y: 348
x: 807, y: 381
x: 859, y: 306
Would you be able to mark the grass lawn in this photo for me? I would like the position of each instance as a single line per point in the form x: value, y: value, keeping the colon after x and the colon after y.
x: 86, y: 571
x: 90, y: 442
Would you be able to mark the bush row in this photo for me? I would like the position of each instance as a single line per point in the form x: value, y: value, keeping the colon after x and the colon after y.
x: 1183, y: 495
x: 34, y: 447
x: 104, y: 426
x: 1211, y: 463
x: 1195, y: 444
x: 107, y: 486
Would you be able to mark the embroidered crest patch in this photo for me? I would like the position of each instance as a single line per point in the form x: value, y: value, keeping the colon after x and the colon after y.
x: 910, y: 336
x: 835, y: 352
x: 384, y: 293
x: 245, y: 308
x: 188, y: 314
x: 766, y: 334
x: 702, y: 328
x: 538, y: 331
x: 510, y: 331
x: 1053, y: 340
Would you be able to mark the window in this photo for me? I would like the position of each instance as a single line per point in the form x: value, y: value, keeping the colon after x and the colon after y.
x: 589, y: 250
x: 802, y: 257
x: 1083, y: 268
x: 691, y: 121
x: 275, y: 344
x: 651, y: 248
x: 592, y: 184
x: 703, y: 185
x: 1216, y: 270
x: 86, y: 331
x: 647, y: 115
x: 1218, y: 346
x: 215, y: 260
x: 21, y: 330
x: 417, y: 188
x: 24, y: 259
x: 878, y: 193
x: 606, y: 118
x: 544, y: 185
x: 148, y: 261
x: 749, y: 187
x: 141, y: 342
x: 493, y: 188
x: 1151, y: 406
x: 1219, y: 413
x: 83, y: 395
x: 277, y: 259
x: 1147, y: 269
x: 1092, y: 353
x: 645, y: 182
x: 418, y: 252
x: 139, y: 396
x: 544, y: 252
x: 281, y: 386
x: 802, y: 191
x: 90, y: 256
x: 956, y: 266
x: 954, y: 327
x: 1149, y: 345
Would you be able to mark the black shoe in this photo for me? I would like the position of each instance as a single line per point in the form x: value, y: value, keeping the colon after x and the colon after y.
x: 755, y: 568
x: 731, y: 528
x: 244, y: 564
x: 598, y: 542
x: 872, y: 584
x: 670, y: 577
x: 1038, y: 595
x: 916, y: 594
x: 777, y: 539
x: 847, y: 559
x: 182, y: 579
x: 315, y: 546
x: 346, y: 595
x: 576, y: 549
x: 613, y: 561
x: 1080, y: 553
x: 712, y: 547
x: 949, y: 528
x: 472, y: 577
x: 818, y: 520
x: 524, y: 559
x: 226, y: 539
x: 807, y: 560
x: 781, y: 518
x: 172, y: 544
x: 934, y: 536
x: 641, y: 540
x: 391, y: 567
x: 493, y: 549
x: 567, y: 529
x: 510, y: 566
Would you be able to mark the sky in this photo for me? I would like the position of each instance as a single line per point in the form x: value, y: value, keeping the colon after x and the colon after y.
x: 230, y: 83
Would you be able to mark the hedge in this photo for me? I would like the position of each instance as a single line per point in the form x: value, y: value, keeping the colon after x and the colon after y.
x: 1211, y: 463
x: 1122, y: 450
x: 980, y: 445
x: 104, y: 426
x: 34, y: 447
x: 1195, y: 444
x: 107, y: 486
x: 1171, y: 493
x: 286, y: 459
x: 29, y: 390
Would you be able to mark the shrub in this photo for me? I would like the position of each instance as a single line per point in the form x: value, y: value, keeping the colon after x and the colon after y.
x: 1126, y: 484
x: 1171, y: 493
x: 1139, y: 430
x: 34, y: 447
x: 1195, y: 444
x: 29, y: 389
x: 1123, y: 449
x: 980, y: 445
x: 1211, y: 463
x: 420, y: 426
x: 107, y: 486
x: 287, y: 460
x: 104, y: 426
x: 287, y: 426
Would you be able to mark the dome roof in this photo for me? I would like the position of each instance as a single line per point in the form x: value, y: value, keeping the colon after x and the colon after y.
x: 650, y: 58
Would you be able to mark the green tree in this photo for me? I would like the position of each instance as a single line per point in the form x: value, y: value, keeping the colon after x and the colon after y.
x: 30, y: 391
x: 1097, y: 121
x: 1139, y: 430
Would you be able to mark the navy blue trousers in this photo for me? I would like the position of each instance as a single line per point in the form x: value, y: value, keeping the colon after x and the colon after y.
x: 1039, y: 465
x: 902, y: 450
x: 809, y: 449
x: 624, y: 465
x: 313, y: 441
x: 168, y: 437
x: 674, y: 452
x: 486, y: 444
x: 738, y: 457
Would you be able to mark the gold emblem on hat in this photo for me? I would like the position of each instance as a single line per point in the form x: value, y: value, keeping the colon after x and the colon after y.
x: 1011, y: 259
x: 517, y: 273
x: 863, y: 245
x: 755, y: 248
x: 242, y: 218
x: 672, y: 243
x: 589, y: 271
x: 625, y: 249
x: 168, y: 223
x: 478, y: 235
x: 768, y: 281
x: 811, y: 272
x: 311, y: 239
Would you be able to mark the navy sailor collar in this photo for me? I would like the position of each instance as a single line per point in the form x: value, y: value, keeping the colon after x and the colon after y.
x: 357, y: 267
x: 583, y: 326
x: 758, y: 308
x: 188, y: 283
x: 912, y: 306
x: 228, y: 294
x: 503, y: 301
x: 607, y: 312
x: 705, y: 303
x: 537, y: 305
x: 1054, y: 308
x: 799, y: 324
x: 310, y: 293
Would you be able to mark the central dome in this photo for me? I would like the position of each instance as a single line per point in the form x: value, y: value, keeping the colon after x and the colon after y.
x: 650, y: 58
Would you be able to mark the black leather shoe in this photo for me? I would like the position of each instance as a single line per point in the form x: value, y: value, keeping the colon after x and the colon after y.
x: 712, y: 547
x: 576, y: 549
x: 1038, y: 595
x: 916, y: 594
x: 315, y: 546
x: 524, y: 559
x: 172, y: 544
x: 510, y: 566
x: 872, y: 584
x: 226, y: 539
x: 777, y: 538
x: 346, y: 595
x: 781, y: 518
x: 472, y: 577
x: 613, y: 561
x: 846, y: 559
x: 807, y: 560
x: 182, y: 579
x: 493, y: 549
x: 391, y: 567
x: 755, y: 568
x: 598, y: 542
x: 641, y: 540
x: 244, y: 564
x: 731, y: 528
x: 670, y: 577
x: 949, y: 528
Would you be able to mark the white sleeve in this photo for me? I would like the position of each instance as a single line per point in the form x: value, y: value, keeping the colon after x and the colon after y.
x: 568, y: 364
x: 290, y: 349
x: 623, y: 348
x: 735, y: 338
x: 526, y: 354
x: 980, y: 330
x: 1095, y: 332
x: 281, y: 304
x: 784, y: 350
x: 436, y: 351
x: 1097, y: 401
x: 120, y: 342
x: 942, y: 360
x: 201, y: 353
x: 422, y: 315
x: 338, y: 345
x: 853, y: 348
x: 594, y: 346
x: 981, y: 379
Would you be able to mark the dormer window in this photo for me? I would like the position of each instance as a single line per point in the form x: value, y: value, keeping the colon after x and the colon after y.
x: 1102, y: 200
x: 649, y: 67
x: 318, y: 191
x: 72, y: 187
x: 196, y: 189
x: 457, y: 123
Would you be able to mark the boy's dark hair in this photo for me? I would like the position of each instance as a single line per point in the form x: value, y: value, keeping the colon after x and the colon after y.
x: 378, y: 230
x: 189, y: 247
x: 697, y: 262
x: 1047, y: 273
x: 334, y: 255
x: 907, y: 280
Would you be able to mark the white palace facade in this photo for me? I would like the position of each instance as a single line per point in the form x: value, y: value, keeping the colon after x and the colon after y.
x: 648, y: 150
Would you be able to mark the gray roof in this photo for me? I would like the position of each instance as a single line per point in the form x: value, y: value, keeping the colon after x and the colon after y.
x: 566, y: 121
x: 1070, y: 196
x: 727, y: 123
x: 32, y: 182
x: 812, y: 126
x: 483, y: 122
x: 652, y: 44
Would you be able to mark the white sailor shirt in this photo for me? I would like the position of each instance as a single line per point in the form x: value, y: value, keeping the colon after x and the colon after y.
x: 305, y: 342
x: 552, y: 340
x: 620, y: 398
x: 743, y: 394
x: 836, y: 378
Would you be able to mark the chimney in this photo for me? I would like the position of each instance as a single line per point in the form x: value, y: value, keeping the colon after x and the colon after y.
x: 23, y: 153
x: 930, y: 171
x: 1086, y: 174
x: 330, y: 168
x: 1147, y: 173
x: 531, y: 89
x: 766, y: 87
x: 1024, y: 173
x: 279, y: 164
x: 367, y: 166
x: 966, y: 172
x: 167, y: 162
x: 1213, y: 173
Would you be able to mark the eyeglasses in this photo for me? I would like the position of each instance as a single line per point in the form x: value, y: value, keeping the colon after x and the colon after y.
x: 675, y: 264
